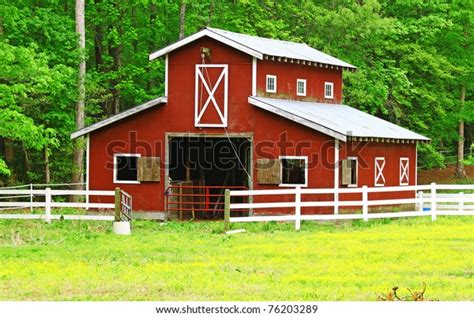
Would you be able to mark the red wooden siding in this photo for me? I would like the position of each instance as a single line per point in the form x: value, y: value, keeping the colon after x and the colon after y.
x: 288, y: 73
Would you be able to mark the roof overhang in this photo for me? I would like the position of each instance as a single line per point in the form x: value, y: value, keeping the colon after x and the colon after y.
x: 118, y: 117
x: 341, y: 122
x: 200, y: 34
x: 298, y: 119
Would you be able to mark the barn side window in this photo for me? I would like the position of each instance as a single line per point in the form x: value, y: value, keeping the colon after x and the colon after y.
x: 271, y: 83
x: 125, y: 168
x: 301, y: 87
x: 349, y: 172
x: 404, y: 171
x: 379, y: 171
x: 328, y: 90
x: 294, y: 170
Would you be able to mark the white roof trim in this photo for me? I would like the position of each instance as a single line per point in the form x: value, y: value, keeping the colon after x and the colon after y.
x: 298, y: 119
x: 200, y: 34
x: 118, y: 117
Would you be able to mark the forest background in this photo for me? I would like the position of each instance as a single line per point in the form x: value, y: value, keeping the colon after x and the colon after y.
x: 415, y: 66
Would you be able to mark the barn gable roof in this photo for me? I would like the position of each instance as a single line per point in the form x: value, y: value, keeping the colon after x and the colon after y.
x: 339, y: 121
x: 258, y: 47
x: 119, y: 116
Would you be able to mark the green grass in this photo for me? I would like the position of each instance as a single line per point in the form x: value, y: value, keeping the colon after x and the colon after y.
x: 194, y: 261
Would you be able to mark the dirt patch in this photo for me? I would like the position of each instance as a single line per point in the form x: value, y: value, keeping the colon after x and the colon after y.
x: 445, y: 175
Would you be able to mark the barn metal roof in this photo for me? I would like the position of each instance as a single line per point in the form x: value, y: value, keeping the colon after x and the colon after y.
x: 119, y: 116
x: 259, y: 47
x: 339, y: 121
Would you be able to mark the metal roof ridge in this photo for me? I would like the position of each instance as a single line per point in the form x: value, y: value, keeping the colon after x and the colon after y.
x: 261, y: 38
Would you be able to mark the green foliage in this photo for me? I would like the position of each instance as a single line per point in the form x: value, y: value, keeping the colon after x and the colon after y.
x: 3, y: 168
x: 74, y: 260
x: 413, y: 57
x: 470, y: 158
x: 429, y: 157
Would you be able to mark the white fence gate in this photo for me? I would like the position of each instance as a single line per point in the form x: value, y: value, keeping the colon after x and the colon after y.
x: 429, y: 201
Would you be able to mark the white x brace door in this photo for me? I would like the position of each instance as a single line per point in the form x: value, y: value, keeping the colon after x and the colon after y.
x: 404, y: 164
x: 379, y: 167
x: 211, y: 94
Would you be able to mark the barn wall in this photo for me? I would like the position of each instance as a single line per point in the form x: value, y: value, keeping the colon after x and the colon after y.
x: 273, y: 135
x: 392, y: 152
x: 288, y: 73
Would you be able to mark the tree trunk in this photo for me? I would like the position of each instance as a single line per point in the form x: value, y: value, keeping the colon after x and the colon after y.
x: 47, y: 177
x: 27, y: 163
x: 9, y: 160
x: 182, y: 19
x: 116, y: 52
x: 78, y: 159
x: 460, y: 171
x: 211, y: 13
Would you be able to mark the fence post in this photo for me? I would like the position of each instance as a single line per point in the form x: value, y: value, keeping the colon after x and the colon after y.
x: 31, y: 197
x: 226, y: 209
x: 433, y: 201
x: 47, y: 207
x: 461, y: 201
x: 365, y: 203
x: 87, y: 197
x: 117, y: 204
x: 420, y: 201
x: 297, y: 208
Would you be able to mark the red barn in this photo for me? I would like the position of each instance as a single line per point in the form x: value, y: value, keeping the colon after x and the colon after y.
x: 246, y: 112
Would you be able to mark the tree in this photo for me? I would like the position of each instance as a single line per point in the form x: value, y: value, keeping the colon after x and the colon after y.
x: 182, y: 19
x: 78, y: 156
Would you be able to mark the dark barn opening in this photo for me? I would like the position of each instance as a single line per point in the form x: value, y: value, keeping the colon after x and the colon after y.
x: 200, y: 169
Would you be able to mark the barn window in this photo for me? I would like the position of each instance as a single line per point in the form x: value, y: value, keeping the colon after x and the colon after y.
x: 404, y: 176
x: 328, y: 90
x: 349, y: 172
x: 125, y: 168
x: 294, y: 170
x: 271, y: 83
x: 379, y: 170
x: 301, y: 87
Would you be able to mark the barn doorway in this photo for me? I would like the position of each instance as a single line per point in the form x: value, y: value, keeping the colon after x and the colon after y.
x: 200, y: 168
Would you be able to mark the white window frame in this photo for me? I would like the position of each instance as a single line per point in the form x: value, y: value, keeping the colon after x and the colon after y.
x: 354, y: 158
x: 274, y: 90
x: 329, y: 83
x: 379, y: 169
x: 115, y: 168
x: 404, y: 171
x: 200, y: 78
x: 304, y: 87
x: 305, y: 158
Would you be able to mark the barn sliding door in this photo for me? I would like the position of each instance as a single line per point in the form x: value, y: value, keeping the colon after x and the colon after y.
x: 210, y: 106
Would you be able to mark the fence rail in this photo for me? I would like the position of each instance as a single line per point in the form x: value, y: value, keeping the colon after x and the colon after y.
x: 47, y: 203
x: 427, y: 199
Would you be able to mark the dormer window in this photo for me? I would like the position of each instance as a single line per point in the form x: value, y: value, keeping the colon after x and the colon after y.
x: 271, y: 84
x: 328, y: 90
x: 301, y: 87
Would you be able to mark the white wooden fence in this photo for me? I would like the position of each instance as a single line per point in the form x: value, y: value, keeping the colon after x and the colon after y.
x: 122, y: 203
x: 428, y: 199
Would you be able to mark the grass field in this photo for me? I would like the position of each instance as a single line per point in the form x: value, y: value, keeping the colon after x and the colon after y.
x: 194, y: 261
